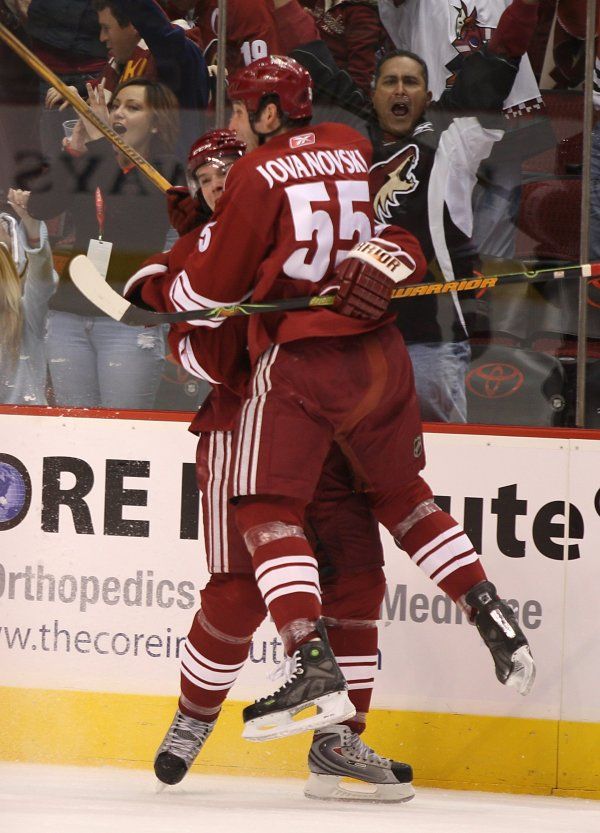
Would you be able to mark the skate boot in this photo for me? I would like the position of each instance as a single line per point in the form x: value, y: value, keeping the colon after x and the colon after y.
x: 313, y: 681
x: 179, y: 749
x: 343, y: 768
x: 499, y: 629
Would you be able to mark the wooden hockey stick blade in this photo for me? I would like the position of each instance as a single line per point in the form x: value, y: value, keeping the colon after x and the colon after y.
x: 90, y: 283
x: 82, y: 108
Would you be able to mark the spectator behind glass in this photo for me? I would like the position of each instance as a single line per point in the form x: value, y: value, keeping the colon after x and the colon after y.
x: 94, y: 361
x: 301, y: 39
x: 19, y: 100
x: 143, y: 43
x: 426, y: 156
x: 447, y: 34
x: 65, y: 37
x: 251, y: 29
x: 353, y: 32
x: 23, y: 306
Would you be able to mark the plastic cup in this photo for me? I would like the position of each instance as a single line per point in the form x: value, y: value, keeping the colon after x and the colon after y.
x: 69, y: 127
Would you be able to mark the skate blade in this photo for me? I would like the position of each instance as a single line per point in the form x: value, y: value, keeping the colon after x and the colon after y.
x: 334, y: 788
x: 522, y: 676
x: 331, y: 708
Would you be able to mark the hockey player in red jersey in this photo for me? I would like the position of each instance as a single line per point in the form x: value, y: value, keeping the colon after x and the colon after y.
x: 251, y: 29
x: 321, y: 376
x: 350, y: 565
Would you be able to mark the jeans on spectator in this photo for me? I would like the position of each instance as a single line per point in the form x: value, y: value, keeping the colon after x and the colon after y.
x: 440, y: 369
x: 96, y: 362
x: 595, y: 196
x: 496, y: 210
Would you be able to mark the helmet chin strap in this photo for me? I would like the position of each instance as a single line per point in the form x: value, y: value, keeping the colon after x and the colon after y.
x: 262, y: 137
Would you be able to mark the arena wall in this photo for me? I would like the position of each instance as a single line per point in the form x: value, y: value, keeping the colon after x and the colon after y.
x: 101, y: 561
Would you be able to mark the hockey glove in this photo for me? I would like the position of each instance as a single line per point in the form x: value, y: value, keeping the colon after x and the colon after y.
x: 185, y: 212
x: 367, y: 278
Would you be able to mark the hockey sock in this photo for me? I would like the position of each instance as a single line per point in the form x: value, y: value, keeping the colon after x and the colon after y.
x: 355, y: 650
x: 351, y: 607
x: 284, y: 565
x: 218, y: 644
x: 440, y: 547
x: 209, y: 667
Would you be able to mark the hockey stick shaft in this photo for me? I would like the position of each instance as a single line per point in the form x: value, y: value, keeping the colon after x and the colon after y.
x: 91, y: 284
x: 82, y: 108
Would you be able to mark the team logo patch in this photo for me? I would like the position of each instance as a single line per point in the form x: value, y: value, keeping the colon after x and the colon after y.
x: 495, y: 380
x: 400, y: 181
x: 302, y: 140
x: 471, y: 35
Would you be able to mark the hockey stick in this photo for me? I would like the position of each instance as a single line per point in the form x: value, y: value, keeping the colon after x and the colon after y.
x: 90, y: 283
x: 82, y: 108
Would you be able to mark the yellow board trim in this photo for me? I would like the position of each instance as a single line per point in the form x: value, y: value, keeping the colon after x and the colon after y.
x: 452, y: 751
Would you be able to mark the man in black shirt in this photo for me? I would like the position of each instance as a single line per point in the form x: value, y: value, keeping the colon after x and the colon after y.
x: 423, y: 173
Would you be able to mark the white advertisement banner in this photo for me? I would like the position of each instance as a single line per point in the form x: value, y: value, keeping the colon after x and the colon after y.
x: 101, y: 562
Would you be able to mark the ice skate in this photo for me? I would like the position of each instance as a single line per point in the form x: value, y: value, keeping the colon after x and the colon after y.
x: 343, y: 768
x: 178, y: 751
x: 313, y: 683
x: 499, y: 629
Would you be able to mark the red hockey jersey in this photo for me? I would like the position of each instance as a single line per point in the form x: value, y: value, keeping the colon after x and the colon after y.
x: 216, y: 355
x: 290, y: 212
x: 251, y: 31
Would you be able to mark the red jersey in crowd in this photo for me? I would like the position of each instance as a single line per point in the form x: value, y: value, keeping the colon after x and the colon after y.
x: 353, y: 32
x: 141, y: 64
x: 251, y: 30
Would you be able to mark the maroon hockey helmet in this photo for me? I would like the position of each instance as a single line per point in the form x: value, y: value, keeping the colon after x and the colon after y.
x: 279, y: 75
x: 212, y: 147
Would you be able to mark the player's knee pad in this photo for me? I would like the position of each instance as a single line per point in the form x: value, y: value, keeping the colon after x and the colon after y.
x: 354, y: 597
x: 231, y: 606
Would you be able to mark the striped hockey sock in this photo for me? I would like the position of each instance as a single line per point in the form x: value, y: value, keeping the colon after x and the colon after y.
x: 440, y: 547
x: 210, y: 664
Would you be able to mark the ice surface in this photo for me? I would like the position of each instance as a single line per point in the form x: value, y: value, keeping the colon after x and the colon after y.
x: 48, y: 799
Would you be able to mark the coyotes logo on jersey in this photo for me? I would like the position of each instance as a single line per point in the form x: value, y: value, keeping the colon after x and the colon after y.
x: 470, y: 37
x: 400, y: 181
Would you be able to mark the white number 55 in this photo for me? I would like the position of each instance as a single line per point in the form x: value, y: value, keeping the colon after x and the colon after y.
x: 309, y: 222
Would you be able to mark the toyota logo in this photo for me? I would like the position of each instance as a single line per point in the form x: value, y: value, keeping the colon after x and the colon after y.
x: 593, y: 297
x: 494, y: 380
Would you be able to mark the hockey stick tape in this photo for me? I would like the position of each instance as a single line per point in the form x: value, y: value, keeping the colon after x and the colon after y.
x: 385, y: 262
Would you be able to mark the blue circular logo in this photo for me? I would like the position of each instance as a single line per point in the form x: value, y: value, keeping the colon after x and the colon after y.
x: 15, y: 491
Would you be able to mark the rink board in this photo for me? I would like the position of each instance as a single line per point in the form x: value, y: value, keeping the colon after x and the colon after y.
x: 101, y: 565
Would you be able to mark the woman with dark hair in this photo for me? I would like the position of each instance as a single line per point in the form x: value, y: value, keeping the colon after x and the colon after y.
x: 118, y: 221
